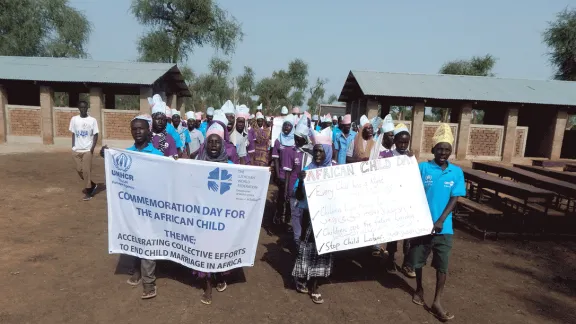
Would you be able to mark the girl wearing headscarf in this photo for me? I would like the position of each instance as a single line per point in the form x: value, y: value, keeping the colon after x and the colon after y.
x: 310, y: 266
x: 360, y: 148
x: 284, y: 141
x: 220, y: 118
x: 213, y: 150
x: 259, y: 138
x: 293, y: 160
x: 182, y: 130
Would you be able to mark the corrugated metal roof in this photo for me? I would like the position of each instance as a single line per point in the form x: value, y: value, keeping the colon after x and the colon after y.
x: 459, y: 87
x: 78, y: 70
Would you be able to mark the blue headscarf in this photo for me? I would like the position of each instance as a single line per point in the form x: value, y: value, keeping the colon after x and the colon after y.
x: 287, y: 140
x: 327, y: 160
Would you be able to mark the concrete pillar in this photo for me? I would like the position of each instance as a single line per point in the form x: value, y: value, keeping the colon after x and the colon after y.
x: 509, y: 142
x: 96, y: 101
x: 171, y: 101
x: 557, y: 131
x: 463, y: 131
x: 145, y: 92
x: 73, y: 99
x: 180, y: 106
x: 47, y: 114
x: 417, y: 129
x: 3, y: 116
x: 110, y: 100
x: 371, y: 108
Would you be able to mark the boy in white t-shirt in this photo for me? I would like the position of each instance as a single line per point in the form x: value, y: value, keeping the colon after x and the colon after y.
x: 84, y: 131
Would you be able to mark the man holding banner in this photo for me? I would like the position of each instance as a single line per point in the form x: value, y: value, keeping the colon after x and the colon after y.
x: 144, y: 270
x: 443, y: 183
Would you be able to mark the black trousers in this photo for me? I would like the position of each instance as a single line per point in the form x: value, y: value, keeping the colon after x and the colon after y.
x: 392, y: 247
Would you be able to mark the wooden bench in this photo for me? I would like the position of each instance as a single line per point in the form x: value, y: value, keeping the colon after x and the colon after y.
x: 466, y: 206
x: 519, y: 202
x: 570, y: 167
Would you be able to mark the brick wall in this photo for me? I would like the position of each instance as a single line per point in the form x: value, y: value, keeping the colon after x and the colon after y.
x: 24, y: 121
x: 520, y: 141
x: 117, y: 123
x: 485, y: 140
x: 428, y: 133
x: 62, y: 118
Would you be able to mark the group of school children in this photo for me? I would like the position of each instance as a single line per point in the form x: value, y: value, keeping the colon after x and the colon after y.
x: 232, y: 135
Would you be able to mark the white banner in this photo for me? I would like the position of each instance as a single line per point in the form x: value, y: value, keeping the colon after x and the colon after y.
x: 203, y: 215
x: 367, y: 203
x: 277, y: 124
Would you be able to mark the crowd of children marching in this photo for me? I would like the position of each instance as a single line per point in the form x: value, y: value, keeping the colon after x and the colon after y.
x: 232, y: 135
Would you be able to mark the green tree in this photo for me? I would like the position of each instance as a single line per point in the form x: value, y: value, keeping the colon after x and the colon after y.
x: 317, y: 93
x: 245, y: 87
x: 42, y: 28
x: 401, y: 112
x: 477, y: 66
x: 177, y: 27
x: 284, y: 87
x: 560, y: 37
x: 212, y: 88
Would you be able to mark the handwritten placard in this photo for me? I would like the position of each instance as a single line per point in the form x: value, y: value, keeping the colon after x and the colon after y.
x: 367, y: 203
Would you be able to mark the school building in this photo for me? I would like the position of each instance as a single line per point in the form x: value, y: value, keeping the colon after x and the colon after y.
x: 522, y: 118
x: 27, y: 95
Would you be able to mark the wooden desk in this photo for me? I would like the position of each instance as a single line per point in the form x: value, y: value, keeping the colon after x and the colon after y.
x: 523, y: 191
x: 563, y: 188
x: 559, y: 175
x: 549, y: 163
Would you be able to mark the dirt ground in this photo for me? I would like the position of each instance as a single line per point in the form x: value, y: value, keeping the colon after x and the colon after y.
x: 56, y: 269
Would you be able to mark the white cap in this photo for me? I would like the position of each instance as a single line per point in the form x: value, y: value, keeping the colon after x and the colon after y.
x: 210, y: 111
x: 335, y: 117
x: 268, y: 119
x: 228, y: 107
x: 175, y: 112
x: 315, y: 117
x: 190, y: 115
x: 259, y: 115
x: 220, y: 116
x: 259, y: 107
x: 252, y: 116
x: 284, y: 110
x: 388, y: 124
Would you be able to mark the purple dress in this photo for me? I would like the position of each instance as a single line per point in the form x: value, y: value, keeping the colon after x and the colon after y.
x: 291, y: 161
x: 277, y: 152
x: 170, y: 150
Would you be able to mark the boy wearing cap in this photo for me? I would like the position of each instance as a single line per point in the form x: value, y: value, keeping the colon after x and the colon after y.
x: 443, y: 184
x: 342, y: 139
x: 182, y: 131
x: 204, y: 125
x: 196, y: 137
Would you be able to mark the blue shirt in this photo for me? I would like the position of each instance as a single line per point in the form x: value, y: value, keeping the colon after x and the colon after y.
x: 174, y: 133
x: 341, y: 144
x: 148, y: 149
x: 441, y: 185
x: 203, y: 128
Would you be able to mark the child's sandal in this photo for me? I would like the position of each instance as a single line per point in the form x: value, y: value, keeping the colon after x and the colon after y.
x: 317, y: 298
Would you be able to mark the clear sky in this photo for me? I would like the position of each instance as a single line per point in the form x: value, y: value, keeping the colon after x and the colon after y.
x: 335, y: 36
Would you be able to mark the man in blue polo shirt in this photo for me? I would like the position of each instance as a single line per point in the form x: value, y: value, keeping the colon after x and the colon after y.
x: 443, y: 184
x: 144, y: 270
x: 343, y: 139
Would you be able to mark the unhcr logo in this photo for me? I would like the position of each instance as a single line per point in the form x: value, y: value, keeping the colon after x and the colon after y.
x: 122, y: 162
